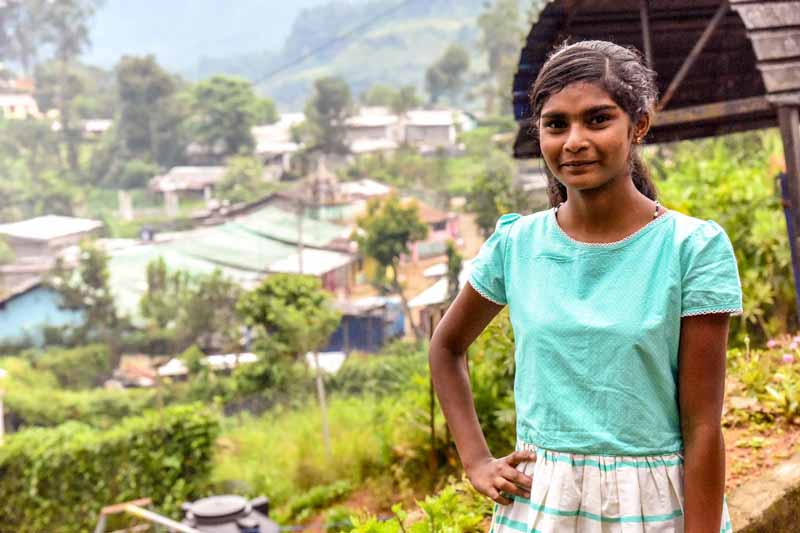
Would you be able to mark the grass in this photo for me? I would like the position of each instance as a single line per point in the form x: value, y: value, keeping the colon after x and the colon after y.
x: 282, y: 456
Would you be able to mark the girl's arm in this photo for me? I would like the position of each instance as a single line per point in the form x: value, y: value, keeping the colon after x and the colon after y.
x: 469, y: 314
x: 701, y: 367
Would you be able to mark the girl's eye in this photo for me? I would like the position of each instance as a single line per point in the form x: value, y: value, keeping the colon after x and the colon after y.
x: 599, y: 119
x: 555, y: 124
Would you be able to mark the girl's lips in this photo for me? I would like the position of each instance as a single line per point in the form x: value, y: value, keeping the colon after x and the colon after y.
x: 583, y: 164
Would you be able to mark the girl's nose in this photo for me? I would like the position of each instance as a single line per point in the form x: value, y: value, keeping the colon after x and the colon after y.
x: 576, y: 140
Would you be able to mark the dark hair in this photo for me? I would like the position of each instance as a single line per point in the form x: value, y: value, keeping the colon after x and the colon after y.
x: 619, y: 71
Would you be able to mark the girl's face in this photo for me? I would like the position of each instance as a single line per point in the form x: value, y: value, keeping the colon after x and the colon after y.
x: 585, y: 137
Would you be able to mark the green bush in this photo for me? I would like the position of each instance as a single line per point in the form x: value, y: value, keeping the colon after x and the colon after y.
x: 58, y: 479
x: 763, y: 385
x: 33, y: 398
x: 458, y: 508
x: 101, y: 408
x: 77, y: 368
x: 732, y: 180
x: 383, y: 374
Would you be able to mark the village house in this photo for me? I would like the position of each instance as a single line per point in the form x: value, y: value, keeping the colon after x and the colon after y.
x: 188, y: 182
x: 430, y: 128
x: 94, y: 128
x: 275, y: 145
x: 443, y: 226
x: 42, y: 238
x: 30, y: 307
x: 20, y: 106
x: 374, y: 129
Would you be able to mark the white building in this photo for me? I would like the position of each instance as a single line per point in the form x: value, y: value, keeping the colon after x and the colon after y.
x: 46, y: 236
x: 274, y: 144
x: 18, y: 106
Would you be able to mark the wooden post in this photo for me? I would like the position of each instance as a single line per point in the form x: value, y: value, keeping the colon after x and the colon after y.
x: 789, y: 121
x: 644, y: 15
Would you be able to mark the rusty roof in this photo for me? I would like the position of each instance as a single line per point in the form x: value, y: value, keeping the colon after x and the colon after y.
x: 750, y: 64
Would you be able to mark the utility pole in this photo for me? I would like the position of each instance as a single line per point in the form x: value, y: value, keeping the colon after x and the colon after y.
x: 323, y: 408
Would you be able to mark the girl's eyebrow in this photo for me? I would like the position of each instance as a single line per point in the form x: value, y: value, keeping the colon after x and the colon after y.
x: 589, y: 111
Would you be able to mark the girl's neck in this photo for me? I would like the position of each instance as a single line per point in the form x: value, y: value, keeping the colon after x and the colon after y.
x: 602, y: 215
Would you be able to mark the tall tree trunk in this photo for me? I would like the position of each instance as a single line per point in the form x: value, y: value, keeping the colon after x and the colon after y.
x: 66, y: 119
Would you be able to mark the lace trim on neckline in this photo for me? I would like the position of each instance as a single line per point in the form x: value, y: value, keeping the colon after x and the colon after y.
x: 733, y: 311
x: 636, y: 233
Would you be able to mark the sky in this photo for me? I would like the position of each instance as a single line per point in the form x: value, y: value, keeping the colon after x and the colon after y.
x: 180, y: 32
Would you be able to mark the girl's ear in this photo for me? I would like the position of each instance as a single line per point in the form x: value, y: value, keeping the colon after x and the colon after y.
x: 642, y: 127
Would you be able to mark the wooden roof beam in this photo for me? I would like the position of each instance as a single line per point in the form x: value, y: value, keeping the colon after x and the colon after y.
x: 722, y: 10
x: 715, y: 111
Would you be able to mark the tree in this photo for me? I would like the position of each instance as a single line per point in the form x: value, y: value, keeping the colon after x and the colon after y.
x: 224, y: 111
x: 293, y: 310
x: 384, y: 233
x: 299, y: 315
x: 148, y: 125
x: 266, y: 112
x: 455, y: 262
x: 243, y: 180
x: 86, y: 289
x: 21, y: 31
x: 66, y: 29
x: 378, y: 95
x: 399, y: 100
x: 445, y: 76
x: 501, y: 36
x: 165, y: 295
x: 326, y: 111
x: 191, y: 309
x: 493, y: 193
x: 405, y: 99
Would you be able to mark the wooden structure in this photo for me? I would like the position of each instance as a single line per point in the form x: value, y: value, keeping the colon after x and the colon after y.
x: 723, y: 66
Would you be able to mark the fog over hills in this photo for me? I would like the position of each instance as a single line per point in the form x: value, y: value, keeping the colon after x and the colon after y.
x: 394, y: 42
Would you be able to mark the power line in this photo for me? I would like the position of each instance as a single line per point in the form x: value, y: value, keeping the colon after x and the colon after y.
x: 335, y: 40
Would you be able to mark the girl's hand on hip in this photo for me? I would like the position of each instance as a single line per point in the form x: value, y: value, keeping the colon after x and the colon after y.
x: 496, y: 478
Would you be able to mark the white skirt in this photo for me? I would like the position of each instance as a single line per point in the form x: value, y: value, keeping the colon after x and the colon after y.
x: 598, y: 494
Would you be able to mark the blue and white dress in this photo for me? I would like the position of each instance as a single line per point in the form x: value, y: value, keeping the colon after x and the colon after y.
x: 597, y: 329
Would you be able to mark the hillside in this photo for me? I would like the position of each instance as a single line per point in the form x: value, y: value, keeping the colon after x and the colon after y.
x: 395, y: 49
x: 180, y: 32
x: 376, y: 41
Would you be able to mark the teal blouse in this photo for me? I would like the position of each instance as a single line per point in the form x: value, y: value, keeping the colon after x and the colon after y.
x: 597, y: 325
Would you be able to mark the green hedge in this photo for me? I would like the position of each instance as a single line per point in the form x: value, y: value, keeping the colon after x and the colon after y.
x: 51, y: 407
x: 58, y: 479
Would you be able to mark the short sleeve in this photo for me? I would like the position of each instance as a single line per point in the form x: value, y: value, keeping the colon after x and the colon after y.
x: 710, y: 282
x: 488, y: 267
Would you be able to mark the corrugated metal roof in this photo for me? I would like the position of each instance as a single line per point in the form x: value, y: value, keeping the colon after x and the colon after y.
x: 750, y: 61
x: 128, y: 272
x: 49, y: 227
x: 281, y: 225
x: 233, y: 246
x: 315, y: 262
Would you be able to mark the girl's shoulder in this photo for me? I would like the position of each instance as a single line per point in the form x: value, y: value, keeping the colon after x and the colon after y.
x: 692, y: 232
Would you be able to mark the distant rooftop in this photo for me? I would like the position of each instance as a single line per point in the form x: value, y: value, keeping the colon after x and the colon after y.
x: 281, y: 225
x: 187, y: 178
x: 369, y: 117
x: 363, y: 188
x: 443, y: 117
x: 49, y: 227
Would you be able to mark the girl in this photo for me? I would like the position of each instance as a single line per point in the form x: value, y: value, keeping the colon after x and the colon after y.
x: 620, y: 314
